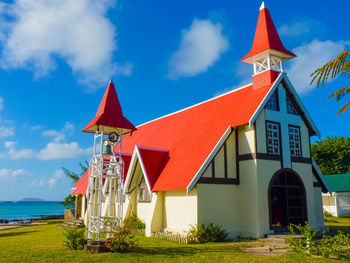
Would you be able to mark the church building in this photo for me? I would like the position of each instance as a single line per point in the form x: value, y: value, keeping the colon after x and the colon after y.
x: 241, y: 160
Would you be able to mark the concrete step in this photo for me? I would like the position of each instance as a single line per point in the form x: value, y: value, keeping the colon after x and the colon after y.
x: 96, y: 246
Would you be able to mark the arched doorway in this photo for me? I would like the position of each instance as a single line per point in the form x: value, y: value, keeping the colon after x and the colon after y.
x: 287, y: 200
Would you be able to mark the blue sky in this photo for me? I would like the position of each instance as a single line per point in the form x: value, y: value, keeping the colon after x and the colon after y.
x: 57, y: 57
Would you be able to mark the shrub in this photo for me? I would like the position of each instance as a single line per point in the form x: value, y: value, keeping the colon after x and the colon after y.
x: 308, y: 243
x: 134, y: 223
x: 122, y: 241
x: 207, y: 233
x: 75, y: 238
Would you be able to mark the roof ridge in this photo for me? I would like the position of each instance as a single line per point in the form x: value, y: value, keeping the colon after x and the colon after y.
x: 195, y: 105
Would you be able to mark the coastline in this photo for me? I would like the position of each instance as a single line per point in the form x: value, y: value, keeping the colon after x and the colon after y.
x: 29, y: 220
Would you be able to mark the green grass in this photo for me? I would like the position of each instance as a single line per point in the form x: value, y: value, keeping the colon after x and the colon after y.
x: 44, y: 243
x: 336, y: 224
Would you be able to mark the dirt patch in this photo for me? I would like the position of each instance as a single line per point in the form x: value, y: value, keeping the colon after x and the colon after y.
x: 266, y: 251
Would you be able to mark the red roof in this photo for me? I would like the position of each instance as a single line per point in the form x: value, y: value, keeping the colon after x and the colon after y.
x: 110, y: 114
x: 266, y: 37
x: 153, y: 161
x: 191, y: 134
x: 82, y: 184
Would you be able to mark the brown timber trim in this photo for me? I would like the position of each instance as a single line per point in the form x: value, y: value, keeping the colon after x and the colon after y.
x: 301, y: 160
x: 133, y: 174
x: 225, y: 159
x: 144, y: 201
x: 255, y: 139
x: 237, y: 154
x: 319, y: 180
x: 317, y: 184
x: 208, y: 180
x: 262, y: 156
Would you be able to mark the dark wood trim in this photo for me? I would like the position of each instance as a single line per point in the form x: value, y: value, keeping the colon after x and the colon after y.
x: 290, y: 171
x: 317, y: 184
x: 133, y: 174
x: 213, y: 167
x: 301, y: 160
x: 225, y: 159
x: 324, y: 188
x: 237, y: 154
x: 141, y: 201
x: 255, y: 139
x: 262, y: 156
x: 208, y: 180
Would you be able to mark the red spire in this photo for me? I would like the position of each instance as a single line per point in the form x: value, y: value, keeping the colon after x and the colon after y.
x: 109, y: 116
x: 266, y: 38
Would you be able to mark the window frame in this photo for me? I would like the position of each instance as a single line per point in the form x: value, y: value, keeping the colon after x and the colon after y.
x: 143, y: 185
x: 275, y: 93
x: 279, y: 137
x: 289, y: 100
x: 300, y: 146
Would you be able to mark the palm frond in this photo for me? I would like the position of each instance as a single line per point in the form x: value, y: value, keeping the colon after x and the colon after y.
x: 339, y: 65
x: 71, y: 175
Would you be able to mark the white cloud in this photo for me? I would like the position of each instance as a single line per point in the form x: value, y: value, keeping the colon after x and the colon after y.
x: 77, y: 32
x: 294, y: 29
x: 37, y: 183
x: 8, y: 173
x: 35, y: 127
x: 9, y: 144
x: 311, y: 56
x: 201, y: 46
x: 57, y: 176
x: 55, y: 150
x: 6, y: 131
x: 1, y: 103
x: 21, y: 154
x: 60, y: 135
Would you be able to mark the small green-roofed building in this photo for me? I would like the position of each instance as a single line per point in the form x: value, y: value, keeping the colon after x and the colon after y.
x: 337, y: 204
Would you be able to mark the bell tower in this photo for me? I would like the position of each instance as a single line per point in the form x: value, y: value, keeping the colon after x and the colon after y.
x: 106, y: 171
x: 267, y: 53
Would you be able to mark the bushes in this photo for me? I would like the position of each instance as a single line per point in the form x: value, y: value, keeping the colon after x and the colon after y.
x: 207, y: 233
x: 324, y: 246
x: 75, y: 238
x: 122, y: 241
x: 134, y: 223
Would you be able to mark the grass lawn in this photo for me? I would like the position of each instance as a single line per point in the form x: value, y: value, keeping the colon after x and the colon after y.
x: 338, y: 223
x: 45, y: 244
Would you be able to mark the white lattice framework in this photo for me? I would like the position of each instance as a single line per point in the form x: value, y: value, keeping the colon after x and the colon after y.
x: 268, y: 62
x: 105, y: 188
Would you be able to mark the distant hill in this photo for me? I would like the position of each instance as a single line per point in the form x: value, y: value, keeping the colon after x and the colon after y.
x: 30, y: 199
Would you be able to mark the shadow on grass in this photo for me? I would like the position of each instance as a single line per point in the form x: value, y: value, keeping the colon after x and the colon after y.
x: 183, y: 250
x: 15, y: 233
x: 335, y: 229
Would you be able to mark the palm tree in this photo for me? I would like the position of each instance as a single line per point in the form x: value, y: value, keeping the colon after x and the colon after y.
x: 69, y: 200
x: 340, y: 66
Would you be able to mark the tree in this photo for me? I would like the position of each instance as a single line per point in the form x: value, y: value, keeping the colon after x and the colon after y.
x: 69, y: 200
x: 340, y: 66
x: 332, y: 155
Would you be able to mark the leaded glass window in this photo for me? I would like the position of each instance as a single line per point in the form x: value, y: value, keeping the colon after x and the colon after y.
x: 294, y: 141
x: 273, y: 138
x: 290, y: 108
x: 272, y: 103
x: 144, y: 195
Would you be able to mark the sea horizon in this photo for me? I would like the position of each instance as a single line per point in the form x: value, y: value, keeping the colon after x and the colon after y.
x: 26, y: 210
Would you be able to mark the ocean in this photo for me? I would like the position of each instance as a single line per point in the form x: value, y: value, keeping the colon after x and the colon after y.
x: 25, y: 210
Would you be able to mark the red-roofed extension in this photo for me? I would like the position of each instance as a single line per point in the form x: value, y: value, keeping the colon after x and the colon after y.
x: 266, y: 39
x: 81, y: 185
x: 109, y: 116
x: 191, y: 134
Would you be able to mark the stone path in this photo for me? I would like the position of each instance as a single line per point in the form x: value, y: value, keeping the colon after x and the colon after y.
x: 266, y: 251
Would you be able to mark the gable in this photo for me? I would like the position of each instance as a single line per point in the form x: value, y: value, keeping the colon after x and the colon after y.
x: 190, y: 135
x: 294, y: 99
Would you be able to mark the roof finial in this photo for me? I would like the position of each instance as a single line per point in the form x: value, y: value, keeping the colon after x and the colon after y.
x: 111, y: 81
x: 262, y: 6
